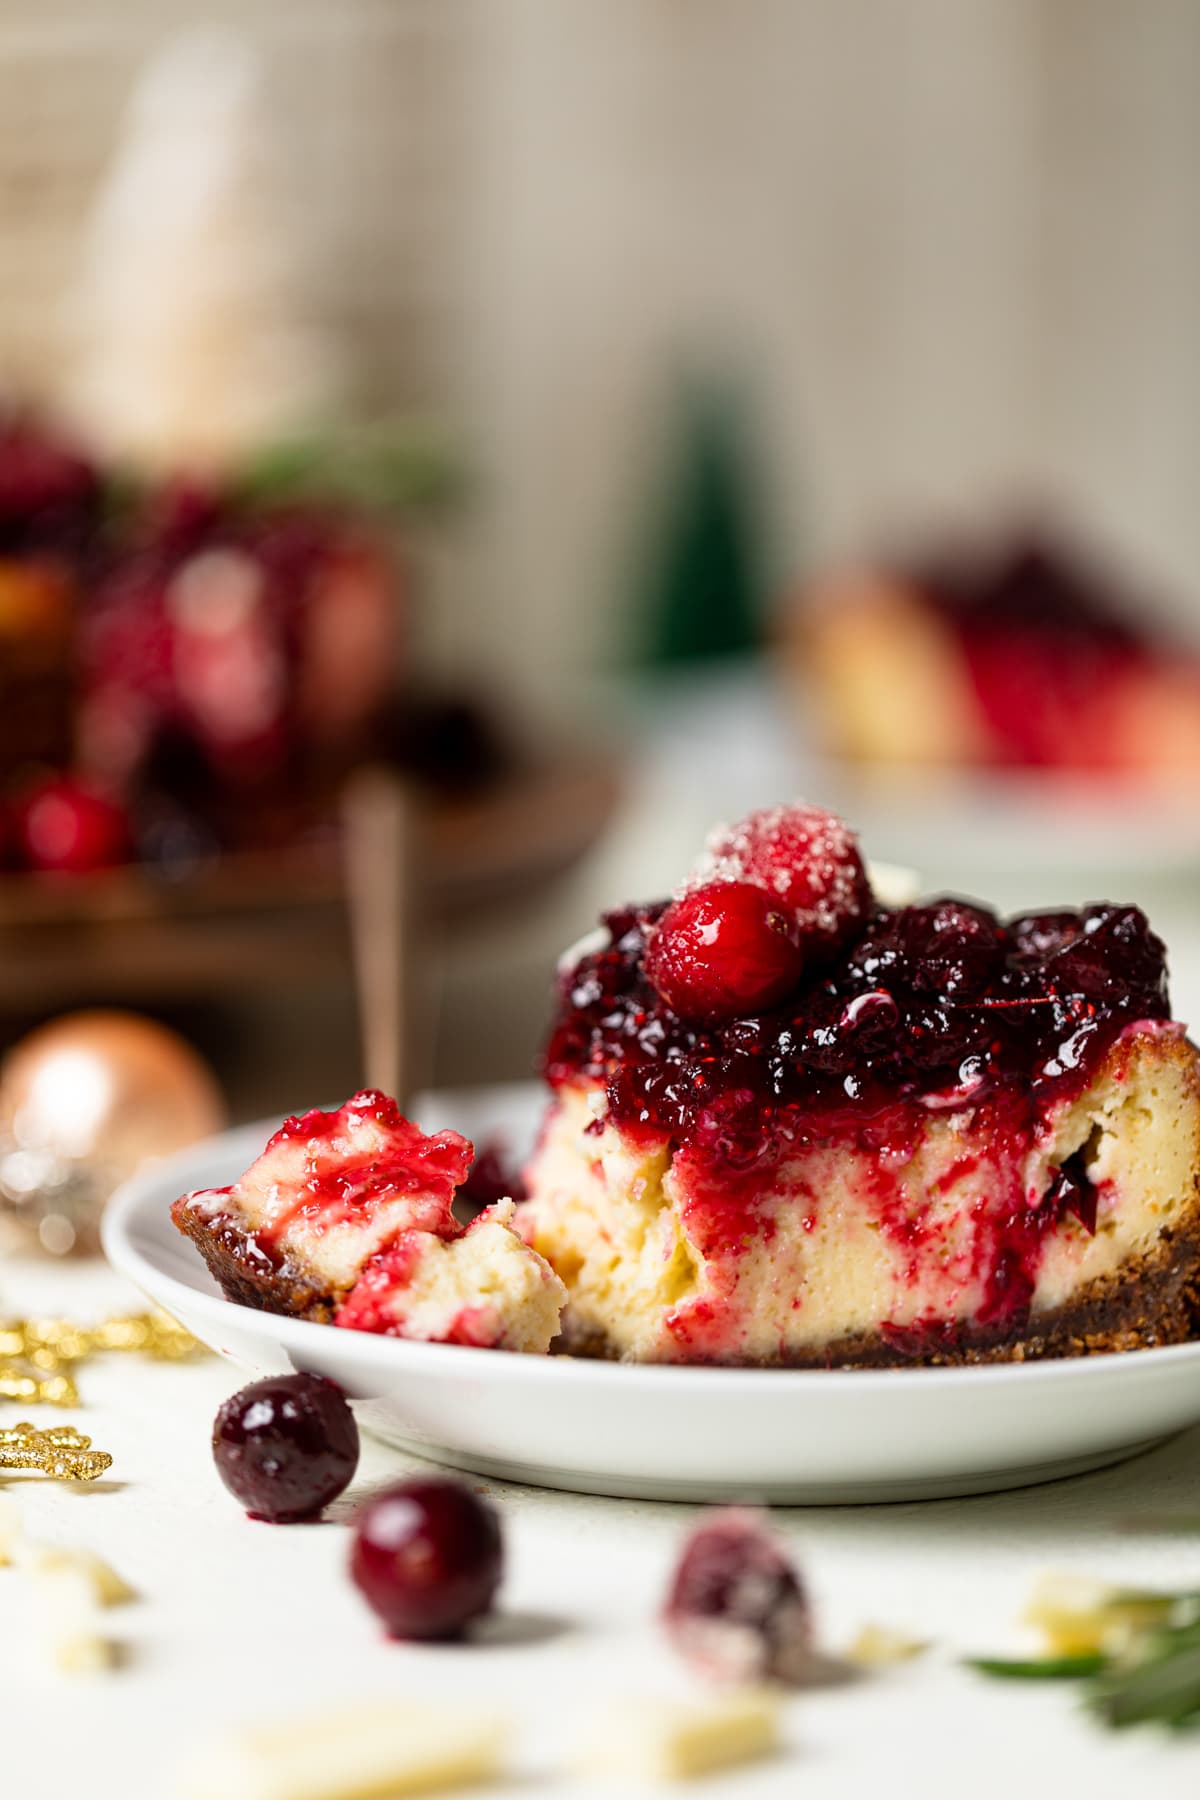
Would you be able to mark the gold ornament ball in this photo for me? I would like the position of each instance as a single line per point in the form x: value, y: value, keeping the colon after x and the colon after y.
x: 108, y: 1087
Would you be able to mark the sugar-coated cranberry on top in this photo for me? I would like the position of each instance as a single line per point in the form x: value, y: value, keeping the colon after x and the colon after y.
x: 807, y: 859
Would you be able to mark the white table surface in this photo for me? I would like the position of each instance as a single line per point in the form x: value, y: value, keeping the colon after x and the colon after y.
x: 241, y: 1621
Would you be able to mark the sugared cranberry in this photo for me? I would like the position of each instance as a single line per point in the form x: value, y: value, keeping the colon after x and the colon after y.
x: 286, y: 1446
x: 736, y: 1607
x: 67, y: 827
x: 724, y: 950
x: 807, y: 859
x: 427, y: 1557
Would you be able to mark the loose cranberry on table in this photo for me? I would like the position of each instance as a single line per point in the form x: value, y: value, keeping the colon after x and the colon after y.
x: 807, y: 860
x: 67, y: 827
x: 736, y: 1608
x: 724, y: 950
x: 427, y: 1557
x: 286, y: 1446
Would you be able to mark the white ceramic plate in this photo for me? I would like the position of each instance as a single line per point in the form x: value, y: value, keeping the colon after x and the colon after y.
x: 795, y: 1436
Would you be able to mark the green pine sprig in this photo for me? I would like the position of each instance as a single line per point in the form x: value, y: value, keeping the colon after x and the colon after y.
x: 1154, y: 1678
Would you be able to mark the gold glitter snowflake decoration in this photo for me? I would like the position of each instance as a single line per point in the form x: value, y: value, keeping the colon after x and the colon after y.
x: 60, y: 1452
x: 37, y: 1356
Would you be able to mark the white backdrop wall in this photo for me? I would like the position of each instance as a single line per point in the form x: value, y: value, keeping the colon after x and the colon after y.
x: 952, y: 247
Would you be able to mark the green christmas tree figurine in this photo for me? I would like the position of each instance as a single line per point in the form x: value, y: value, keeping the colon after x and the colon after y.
x: 701, y: 590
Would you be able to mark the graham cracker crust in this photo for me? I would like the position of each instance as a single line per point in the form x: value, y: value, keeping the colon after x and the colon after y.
x: 250, y: 1275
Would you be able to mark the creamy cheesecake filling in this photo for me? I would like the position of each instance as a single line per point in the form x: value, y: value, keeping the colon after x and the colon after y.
x: 486, y: 1288
x: 957, y: 1221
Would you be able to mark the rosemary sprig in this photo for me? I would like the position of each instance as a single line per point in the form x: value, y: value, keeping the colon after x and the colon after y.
x: 1159, y: 1683
x: 1143, y: 1666
x: 1039, y: 1668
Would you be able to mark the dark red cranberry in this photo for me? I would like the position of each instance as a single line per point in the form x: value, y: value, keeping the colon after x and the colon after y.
x: 808, y: 860
x: 1072, y: 1190
x: 1035, y: 936
x: 427, y: 1557
x: 948, y: 947
x: 1114, y: 958
x: 736, y: 1607
x: 67, y: 827
x: 286, y: 1446
x: 724, y: 950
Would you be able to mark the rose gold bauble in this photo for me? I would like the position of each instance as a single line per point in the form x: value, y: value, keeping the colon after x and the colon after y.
x: 107, y: 1087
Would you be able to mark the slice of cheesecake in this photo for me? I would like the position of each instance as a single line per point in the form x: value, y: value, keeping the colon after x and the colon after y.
x: 1027, y: 658
x: 347, y: 1217
x: 947, y: 1139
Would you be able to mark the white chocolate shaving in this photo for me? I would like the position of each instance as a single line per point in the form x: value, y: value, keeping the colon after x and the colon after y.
x: 107, y: 1588
x: 878, y: 1647
x: 361, y: 1753
x: 643, y: 1740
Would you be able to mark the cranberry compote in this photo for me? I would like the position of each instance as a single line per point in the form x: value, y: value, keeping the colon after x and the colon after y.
x: 929, y: 1003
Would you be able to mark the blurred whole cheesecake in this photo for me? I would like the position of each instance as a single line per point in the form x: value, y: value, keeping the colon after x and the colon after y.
x: 1027, y: 658
x: 792, y: 1125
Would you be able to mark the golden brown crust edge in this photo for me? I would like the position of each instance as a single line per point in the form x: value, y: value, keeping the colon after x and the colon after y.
x: 245, y: 1273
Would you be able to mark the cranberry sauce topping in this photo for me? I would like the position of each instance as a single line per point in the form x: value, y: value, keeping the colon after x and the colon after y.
x: 350, y: 1167
x: 940, y: 1003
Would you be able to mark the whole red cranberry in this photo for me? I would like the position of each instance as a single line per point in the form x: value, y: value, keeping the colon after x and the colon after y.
x: 736, y: 1607
x: 723, y: 950
x: 427, y: 1557
x: 286, y: 1446
x: 806, y: 859
x: 66, y: 827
